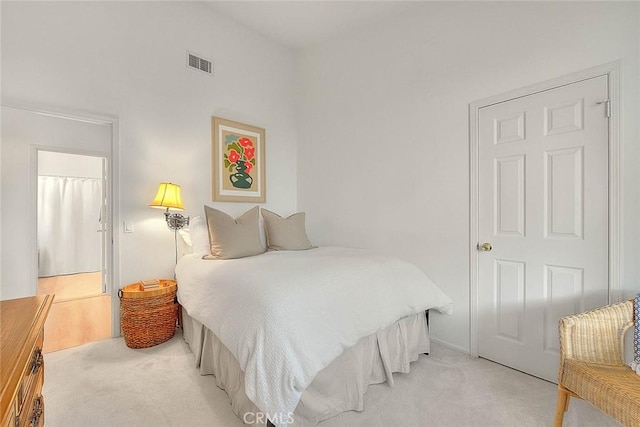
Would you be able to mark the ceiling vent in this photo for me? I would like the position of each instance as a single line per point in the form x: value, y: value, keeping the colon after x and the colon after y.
x: 198, y: 63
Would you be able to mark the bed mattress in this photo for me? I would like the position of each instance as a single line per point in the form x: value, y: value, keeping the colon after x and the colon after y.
x: 286, y: 315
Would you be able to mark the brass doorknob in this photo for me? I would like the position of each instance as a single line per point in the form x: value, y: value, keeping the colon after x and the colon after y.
x: 485, y: 247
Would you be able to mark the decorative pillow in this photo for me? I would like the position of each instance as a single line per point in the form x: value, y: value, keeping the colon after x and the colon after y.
x: 286, y: 234
x: 184, y: 243
x: 199, y: 235
x: 233, y: 238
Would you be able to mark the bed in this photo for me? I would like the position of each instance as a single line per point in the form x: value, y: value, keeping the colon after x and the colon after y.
x: 296, y: 337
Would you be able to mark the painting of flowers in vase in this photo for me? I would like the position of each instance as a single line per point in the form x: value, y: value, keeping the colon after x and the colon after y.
x: 238, y: 162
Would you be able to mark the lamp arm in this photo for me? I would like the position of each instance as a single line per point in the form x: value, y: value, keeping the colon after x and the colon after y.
x: 176, y: 221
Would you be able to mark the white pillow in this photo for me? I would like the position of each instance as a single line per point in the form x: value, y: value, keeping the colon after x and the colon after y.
x: 199, y: 235
x: 184, y: 243
x: 186, y: 237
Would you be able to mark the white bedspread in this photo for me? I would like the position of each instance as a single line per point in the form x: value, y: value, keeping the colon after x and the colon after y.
x: 287, y: 315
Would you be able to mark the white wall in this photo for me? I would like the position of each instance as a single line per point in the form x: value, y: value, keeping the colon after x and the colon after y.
x: 383, y: 155
x: 127, y: 59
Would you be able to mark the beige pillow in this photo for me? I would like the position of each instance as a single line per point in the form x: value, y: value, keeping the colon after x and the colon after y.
x: 233, y: 238
x: 285, y: 234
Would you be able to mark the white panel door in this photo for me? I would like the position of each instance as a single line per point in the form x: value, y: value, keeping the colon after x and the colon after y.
x: 543, y: 208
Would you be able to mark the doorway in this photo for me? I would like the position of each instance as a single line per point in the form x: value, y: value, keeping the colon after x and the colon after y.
x: 71, y: 245
x: 542, y: 235
x: 27, y: 132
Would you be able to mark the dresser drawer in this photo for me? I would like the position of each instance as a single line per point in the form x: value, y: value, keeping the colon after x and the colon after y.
x: 32, y: 414
x: 32, y: 372
x: 28, y: 403
x: 22, y: 369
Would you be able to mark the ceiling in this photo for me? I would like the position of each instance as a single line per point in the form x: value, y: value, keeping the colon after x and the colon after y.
x: 301, y: 23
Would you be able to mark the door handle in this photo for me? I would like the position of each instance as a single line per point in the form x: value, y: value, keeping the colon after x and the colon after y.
x: 485, y: 247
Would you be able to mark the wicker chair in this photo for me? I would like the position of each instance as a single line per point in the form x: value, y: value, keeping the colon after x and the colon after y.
x: 592, y: 364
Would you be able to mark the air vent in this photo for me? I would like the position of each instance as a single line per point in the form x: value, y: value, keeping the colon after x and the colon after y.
x: 198, y: 63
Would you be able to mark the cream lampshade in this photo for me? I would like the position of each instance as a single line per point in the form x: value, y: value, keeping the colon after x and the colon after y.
x: 168, y: 196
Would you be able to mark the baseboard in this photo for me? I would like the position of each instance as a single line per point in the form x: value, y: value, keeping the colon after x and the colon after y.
x: 450, y: 346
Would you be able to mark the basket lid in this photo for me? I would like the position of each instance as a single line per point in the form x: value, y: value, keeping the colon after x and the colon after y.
x: 137, y: 290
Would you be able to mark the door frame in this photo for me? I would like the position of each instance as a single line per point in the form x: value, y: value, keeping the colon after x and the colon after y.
x: 113, y: 188
x: 612, y: 71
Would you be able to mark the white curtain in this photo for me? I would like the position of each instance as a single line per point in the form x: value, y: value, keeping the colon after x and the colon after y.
x: 69, y: 211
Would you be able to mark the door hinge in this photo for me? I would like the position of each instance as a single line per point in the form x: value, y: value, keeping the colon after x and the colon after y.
x: 607, y: 107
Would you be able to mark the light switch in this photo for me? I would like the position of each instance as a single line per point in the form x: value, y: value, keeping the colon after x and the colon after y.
x: 128, y: 227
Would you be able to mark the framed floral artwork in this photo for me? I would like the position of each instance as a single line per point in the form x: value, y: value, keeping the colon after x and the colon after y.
x: 238, y: 152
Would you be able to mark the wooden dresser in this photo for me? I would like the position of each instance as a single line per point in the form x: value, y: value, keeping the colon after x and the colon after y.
x: 21, y: 361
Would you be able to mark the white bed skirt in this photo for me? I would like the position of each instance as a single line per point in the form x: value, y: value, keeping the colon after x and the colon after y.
x: 337, y: 388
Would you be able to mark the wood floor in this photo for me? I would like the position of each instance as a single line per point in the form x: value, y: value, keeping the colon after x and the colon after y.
x: 80, y: 313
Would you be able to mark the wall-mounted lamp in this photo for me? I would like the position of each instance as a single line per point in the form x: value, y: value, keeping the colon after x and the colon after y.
x: 168, y: 197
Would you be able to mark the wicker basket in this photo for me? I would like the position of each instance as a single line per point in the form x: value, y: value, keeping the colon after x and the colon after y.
x: 148, y: 317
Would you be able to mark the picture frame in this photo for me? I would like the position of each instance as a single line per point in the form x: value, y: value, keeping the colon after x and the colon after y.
x: 238, y: 162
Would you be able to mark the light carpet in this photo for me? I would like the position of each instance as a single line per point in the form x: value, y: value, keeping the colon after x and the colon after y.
x: 108, y: 384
